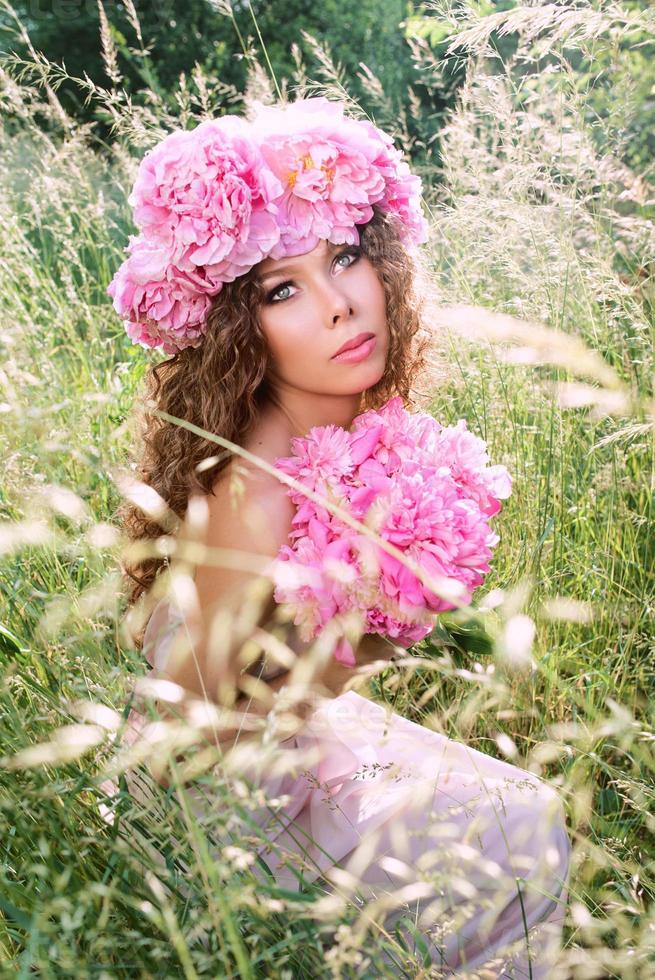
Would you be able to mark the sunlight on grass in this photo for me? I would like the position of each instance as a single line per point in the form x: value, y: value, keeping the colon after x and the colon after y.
x: 542, y: 252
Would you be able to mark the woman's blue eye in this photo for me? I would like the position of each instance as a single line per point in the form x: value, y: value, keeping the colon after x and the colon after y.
x: 349, y: 253
x: 279, y: 289
x: 352, y: 253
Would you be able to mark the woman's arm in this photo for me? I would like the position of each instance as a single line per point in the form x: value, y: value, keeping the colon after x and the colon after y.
x: 292, y: 712
x: 232, y: 605
x: 228, y: 603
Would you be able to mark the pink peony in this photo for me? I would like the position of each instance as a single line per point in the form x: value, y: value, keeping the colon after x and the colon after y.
x: 165, y: 306
x: 323, y: 457
x: 203, y: 200
x: 324, y: 161
x: 468, y: 463
x: 425, y: 489
x: 207, y: 196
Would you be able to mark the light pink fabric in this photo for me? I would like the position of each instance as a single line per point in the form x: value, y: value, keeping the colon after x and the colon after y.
x: 163, y: 626
x: 360, y: 789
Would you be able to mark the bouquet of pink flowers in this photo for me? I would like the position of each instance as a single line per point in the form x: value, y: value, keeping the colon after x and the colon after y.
x: 424, y: 489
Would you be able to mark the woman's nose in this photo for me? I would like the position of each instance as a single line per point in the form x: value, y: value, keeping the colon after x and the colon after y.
x: 337, y: 305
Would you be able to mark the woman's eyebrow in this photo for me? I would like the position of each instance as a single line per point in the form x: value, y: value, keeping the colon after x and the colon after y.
x: 284, y: 269
x: 277, y: 272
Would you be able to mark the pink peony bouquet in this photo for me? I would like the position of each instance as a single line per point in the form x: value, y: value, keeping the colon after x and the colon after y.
x: 426, y: 489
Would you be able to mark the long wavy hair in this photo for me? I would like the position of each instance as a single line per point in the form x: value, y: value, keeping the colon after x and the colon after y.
x: 221, y: 386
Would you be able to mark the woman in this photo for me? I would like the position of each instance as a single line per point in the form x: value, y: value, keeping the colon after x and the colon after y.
x: 277, y: 264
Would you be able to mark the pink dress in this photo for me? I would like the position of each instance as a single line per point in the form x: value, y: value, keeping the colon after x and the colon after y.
x: 383, y: 810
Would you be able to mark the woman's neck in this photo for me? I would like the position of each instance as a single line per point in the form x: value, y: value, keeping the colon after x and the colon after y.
x: 298, y: 412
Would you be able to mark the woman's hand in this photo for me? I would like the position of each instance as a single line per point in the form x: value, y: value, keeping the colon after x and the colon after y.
x: 334, y: 680
x: 372, y: 648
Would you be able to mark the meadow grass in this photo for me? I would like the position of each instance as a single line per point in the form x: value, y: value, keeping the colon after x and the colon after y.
x: 533, y: 218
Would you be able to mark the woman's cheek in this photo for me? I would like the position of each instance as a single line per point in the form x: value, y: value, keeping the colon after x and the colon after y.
x: 295, y: 361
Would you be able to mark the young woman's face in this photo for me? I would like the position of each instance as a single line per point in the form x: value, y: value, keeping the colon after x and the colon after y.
x: 315, y: 305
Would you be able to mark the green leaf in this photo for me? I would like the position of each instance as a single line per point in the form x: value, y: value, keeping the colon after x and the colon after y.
x: 9, y: 642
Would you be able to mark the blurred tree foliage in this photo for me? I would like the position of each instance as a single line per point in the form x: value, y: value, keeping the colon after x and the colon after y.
x: 621, y: 80
x: 212, y: 34
x: 403, y: 43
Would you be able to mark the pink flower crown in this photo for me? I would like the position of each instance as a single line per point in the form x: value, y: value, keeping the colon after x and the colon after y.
x: 214, y: 201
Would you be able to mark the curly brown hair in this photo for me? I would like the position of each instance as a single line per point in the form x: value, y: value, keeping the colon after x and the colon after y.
x: 221, y: 385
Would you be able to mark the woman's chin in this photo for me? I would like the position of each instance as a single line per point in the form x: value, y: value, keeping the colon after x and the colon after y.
x: 367, y: 376
x: 374, y: 379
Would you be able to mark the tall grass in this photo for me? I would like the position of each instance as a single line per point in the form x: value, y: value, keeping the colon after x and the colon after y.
x: 542, y: 249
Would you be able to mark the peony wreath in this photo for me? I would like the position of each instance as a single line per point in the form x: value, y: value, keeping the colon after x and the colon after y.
x: 428, y: 490
x: 212, y: 202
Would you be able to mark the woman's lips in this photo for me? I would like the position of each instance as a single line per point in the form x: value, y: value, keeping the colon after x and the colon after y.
x: 357, y: 350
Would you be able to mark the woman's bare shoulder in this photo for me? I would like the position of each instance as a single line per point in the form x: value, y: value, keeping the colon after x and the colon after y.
x: 248, y: 500
x: 249, y: 505
x: 243, y: 527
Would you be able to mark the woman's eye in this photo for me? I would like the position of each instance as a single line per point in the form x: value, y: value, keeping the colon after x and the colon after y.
x: 271, y: 297
x: 348, y: 255
x: 278, y: 289
x: 274, y: 297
